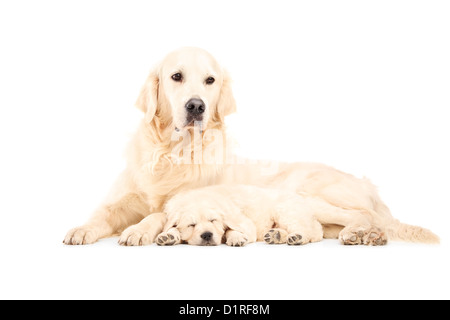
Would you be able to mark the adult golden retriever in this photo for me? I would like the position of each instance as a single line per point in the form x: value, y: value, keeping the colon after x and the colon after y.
x: 181, y: 145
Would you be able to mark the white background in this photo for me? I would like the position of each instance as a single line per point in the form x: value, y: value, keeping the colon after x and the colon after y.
x: 362, y: 86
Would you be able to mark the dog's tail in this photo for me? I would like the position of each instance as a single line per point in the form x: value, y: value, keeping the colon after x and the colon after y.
x: 405, y: 232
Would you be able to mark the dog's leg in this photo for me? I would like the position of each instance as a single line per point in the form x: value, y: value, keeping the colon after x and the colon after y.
x: 145, y: 232
x: 109, y: 219
x: 169, y: 238
x: 359, y: 225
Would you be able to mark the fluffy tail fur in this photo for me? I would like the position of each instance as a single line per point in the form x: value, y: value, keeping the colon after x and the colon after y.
x: 406, y: 232
x: 402, y: 231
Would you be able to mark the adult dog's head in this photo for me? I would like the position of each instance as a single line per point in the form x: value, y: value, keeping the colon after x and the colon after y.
x: 187, y: 88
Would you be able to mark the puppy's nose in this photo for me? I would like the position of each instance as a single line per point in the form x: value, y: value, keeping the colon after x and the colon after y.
x: 195, y: 106
x: 206, y: 236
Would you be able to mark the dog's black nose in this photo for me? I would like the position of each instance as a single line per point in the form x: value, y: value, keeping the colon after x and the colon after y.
x: 206, y: 236
x: 195, y: 106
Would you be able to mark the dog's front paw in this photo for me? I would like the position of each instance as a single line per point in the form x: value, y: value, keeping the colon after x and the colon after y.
x: 81, y: 235
x: 167, y: 239
x: 134, y: 236
x: 236, y: 239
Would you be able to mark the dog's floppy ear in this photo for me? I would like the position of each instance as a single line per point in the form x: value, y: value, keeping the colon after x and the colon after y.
x: 239, y: 222
x: 226, y: 104
x: 147, y: 101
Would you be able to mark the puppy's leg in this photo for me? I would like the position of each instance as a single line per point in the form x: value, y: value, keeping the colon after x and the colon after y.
x: 169, y: 238
x: 276, y: 236
x: 109, y: 219
x: 302, y: 231
x: 235, y: 238
x: 144, y: 232
x: 241, y: 231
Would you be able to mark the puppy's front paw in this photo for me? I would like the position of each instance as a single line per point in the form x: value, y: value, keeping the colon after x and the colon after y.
x: 167, y: 239
x: 294, y: 239
x: 275, y: 236
x: 236, y: 239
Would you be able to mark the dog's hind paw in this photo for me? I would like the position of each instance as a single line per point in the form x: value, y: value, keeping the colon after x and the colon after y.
x: 363, y: 236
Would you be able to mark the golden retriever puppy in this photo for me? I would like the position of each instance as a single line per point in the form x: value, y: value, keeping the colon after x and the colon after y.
x: 241, y: 214
x: 181, y: 145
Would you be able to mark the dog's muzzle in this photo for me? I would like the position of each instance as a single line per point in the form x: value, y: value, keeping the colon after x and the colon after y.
x: 207, y: 239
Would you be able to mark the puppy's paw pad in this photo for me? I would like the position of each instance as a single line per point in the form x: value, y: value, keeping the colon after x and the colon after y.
x: 273, y: 236
x: 294, y: 239
x: 166, y: 239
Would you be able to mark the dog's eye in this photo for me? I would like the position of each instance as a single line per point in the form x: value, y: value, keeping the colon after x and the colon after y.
x: 192, y: 225
x: 212, y: 220
x: 177, y: 77
x: 210, y: 80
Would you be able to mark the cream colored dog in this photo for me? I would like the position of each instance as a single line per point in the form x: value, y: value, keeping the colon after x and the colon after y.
x: 239, y: 214
x: 185, y: 91
x: 181, y: 145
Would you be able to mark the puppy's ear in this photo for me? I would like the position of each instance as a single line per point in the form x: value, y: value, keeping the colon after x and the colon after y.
x: 172, y: 221
x: 147, y: 101
x: 226, y: 104
x: 239, y: 222
x: 233, y: 221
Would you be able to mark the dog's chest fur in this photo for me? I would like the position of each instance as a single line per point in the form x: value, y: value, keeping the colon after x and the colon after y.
x: 159, y: 176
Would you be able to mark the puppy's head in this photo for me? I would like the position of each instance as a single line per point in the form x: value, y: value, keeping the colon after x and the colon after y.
x: 199, y: 216
x: 200, y: 229
x: 188, y: 88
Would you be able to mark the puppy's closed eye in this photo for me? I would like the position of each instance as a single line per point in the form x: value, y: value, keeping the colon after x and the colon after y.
x: 212, y: 220
x: 192, y: 225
